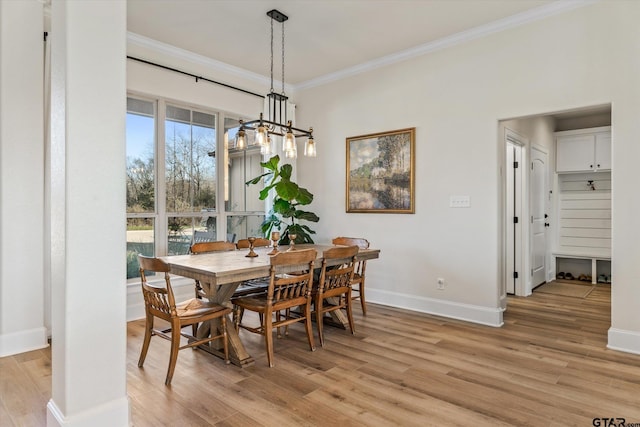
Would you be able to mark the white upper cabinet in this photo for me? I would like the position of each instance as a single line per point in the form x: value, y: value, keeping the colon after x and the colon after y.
x: 583, y: 150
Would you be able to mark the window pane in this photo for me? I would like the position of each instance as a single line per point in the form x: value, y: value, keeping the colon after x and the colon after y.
x: 183, y: 231
x: 140, y: 238
x: 140, y: 155
x: 190, y: 170
x: 242, y: 165
x: 243, y: 226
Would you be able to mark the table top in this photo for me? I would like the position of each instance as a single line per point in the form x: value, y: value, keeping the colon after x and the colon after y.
x: 234, y: 266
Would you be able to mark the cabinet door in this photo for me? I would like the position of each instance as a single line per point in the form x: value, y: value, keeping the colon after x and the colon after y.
x: 575, y: 153
x: 603, y: 151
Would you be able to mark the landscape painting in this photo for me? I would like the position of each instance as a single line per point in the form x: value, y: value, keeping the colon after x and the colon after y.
x: 380, y: 172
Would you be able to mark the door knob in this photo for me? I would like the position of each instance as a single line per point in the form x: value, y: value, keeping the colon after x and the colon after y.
x: 546, y: 224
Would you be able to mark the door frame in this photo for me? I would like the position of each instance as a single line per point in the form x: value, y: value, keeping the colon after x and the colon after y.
x: 521, y: 210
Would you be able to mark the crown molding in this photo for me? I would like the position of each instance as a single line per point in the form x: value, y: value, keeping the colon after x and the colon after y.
x: 523, y: 18
x: 532, y: 15
x: 186, y: 55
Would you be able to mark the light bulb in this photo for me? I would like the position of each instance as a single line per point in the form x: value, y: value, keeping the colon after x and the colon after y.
x: 241, y: 140
x: 261, y: 136
x: 288, y: 142
x: 310, y: 147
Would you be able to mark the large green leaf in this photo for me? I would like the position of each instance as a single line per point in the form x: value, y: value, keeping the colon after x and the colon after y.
x: 264, y: 193
x: 272, y: 163
x: 307, y: 216
x: 287, y: 190
x: 283, y: 207
x: 286, y: 171
x: 304, y: 197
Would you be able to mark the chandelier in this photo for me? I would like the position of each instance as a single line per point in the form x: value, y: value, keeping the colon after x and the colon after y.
x: 277, y: 123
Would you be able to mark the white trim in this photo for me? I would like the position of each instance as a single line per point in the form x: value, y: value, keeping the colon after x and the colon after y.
x: 454, y: 310
x: 23, y: 341
x: 623, y: 340
x: 185, y: 55
x: 452, y: 40
x: 115, y: 413
x: 523, y: 18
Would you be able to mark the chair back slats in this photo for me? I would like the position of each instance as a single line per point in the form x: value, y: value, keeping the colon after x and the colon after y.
x: 159, y: 299
x: 219, y: 246
x: 287, y: 287
x: 341, y: 276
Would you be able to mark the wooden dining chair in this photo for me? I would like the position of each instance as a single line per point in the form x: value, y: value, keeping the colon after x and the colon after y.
x: 258, y: 243
x: 360, y: 268
x: 204, y: 247
x: 285, y: 292
x: 333, y: 291
x: 159, y: 301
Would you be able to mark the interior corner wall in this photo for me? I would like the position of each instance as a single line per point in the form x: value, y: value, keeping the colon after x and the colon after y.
x: 455, y: 97
x: 21, y: 178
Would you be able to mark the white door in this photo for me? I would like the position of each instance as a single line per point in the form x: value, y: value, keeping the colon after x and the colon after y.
x: 539, y: 218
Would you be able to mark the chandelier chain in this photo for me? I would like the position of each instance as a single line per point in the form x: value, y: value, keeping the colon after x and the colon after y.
x: 271, y: 55
x: 283, y: 58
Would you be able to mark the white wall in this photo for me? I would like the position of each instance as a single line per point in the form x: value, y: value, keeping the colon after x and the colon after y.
x: 454, y: 98
x: 21, y: 178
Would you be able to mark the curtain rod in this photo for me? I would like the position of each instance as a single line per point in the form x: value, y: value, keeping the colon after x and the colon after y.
x: 198, y: 78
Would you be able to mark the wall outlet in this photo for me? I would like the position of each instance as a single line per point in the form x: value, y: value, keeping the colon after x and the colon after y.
x: 440, y: 283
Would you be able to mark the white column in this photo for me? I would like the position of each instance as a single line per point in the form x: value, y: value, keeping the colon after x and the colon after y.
x: 88, y: 105
x: 21, y: 178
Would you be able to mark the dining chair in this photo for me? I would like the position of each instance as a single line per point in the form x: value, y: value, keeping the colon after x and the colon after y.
x: 285, y: 292
x: 333, y: 291
x: 259, y: 242
x: 159, y: 301
x: 204, y: 247
x: 360, y: 268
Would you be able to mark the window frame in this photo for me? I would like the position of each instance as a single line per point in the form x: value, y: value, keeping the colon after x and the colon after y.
x: 160, y: 215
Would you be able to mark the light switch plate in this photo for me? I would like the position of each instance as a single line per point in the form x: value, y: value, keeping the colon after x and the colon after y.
x: 459, y: 202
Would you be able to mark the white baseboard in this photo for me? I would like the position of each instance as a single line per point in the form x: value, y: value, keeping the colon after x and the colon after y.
x: 116, y: 413
x: 467, y: 312
x: 22, y: 341
x: 622, y: 340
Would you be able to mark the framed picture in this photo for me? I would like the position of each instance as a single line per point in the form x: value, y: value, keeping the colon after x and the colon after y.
x: 380, y: 172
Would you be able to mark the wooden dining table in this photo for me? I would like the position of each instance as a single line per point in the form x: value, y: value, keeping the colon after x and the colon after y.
x: 221, y: 273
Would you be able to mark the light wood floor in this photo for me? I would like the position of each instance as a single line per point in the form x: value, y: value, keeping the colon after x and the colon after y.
x: 548, y: 366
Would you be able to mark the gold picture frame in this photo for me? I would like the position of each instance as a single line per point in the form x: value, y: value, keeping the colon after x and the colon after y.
x: 381, y: 172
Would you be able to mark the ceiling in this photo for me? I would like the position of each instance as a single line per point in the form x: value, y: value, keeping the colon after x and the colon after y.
x: 322, y: 37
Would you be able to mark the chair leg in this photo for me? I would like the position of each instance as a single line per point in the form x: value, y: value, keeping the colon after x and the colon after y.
x: 349, y: 304
x: 148, y: 328
x: 268, y: 337
x: 308, y: 326
x: 319, y: 322
x: 362, y: 302
x: 175, y: 345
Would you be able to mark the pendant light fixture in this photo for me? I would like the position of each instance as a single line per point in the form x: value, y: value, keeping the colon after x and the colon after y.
x: 277, y: 122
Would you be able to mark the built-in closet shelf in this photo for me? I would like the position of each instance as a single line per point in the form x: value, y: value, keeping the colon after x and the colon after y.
x: 583, y: 264
x: 583, y: 150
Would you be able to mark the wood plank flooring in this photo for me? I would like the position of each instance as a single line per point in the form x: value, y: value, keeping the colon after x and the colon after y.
x: 548, y: 366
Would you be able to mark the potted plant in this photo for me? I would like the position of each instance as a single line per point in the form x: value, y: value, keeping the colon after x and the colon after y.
x: 288, y: 196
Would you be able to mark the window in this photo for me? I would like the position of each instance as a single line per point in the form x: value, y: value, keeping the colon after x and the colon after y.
x: 174, y: 177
